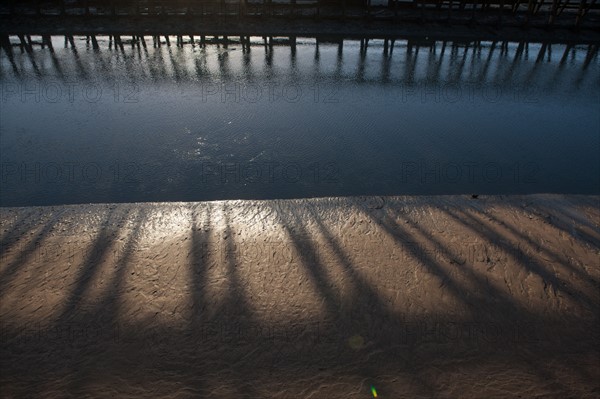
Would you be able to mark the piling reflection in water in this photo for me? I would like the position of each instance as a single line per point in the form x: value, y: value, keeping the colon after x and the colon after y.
x: 198, y: 118
x: 159, y: 58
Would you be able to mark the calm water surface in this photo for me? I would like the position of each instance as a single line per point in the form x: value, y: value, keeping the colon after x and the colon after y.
x: 193, y: 123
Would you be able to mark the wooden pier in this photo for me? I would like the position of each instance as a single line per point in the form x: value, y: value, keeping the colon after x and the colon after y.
x: 530, y: 13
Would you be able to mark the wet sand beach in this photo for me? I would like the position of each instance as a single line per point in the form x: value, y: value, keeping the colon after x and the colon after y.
x: 440, y: 296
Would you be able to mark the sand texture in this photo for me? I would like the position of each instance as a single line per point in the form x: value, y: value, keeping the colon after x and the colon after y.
x: 444, y: 296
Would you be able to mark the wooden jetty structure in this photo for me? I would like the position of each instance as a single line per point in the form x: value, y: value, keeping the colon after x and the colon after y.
x: 524, y: 13
x: 434, y: 25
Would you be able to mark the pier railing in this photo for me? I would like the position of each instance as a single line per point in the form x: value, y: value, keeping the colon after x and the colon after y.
x: 519, y: 12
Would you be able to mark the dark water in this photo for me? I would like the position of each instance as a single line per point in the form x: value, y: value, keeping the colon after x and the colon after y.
x: 192, y: 123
